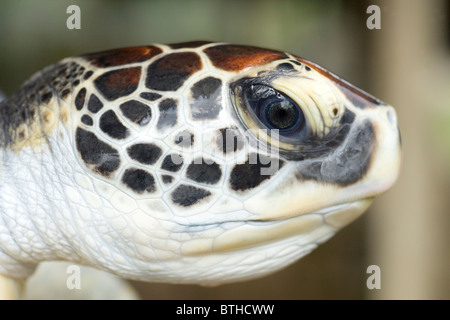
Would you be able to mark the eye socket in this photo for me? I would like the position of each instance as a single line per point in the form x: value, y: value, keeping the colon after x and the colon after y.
x: 275, y: 110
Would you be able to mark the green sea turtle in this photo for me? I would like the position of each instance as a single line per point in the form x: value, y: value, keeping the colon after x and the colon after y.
x: 198, y: 162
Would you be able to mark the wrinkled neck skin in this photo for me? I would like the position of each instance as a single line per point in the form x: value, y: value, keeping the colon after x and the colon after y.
x: 29, y: 209
x: 34, y: 178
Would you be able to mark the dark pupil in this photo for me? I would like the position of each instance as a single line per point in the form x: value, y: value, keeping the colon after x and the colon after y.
x: 281, y: 114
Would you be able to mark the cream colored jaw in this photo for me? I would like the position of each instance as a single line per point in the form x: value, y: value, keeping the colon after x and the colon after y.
x: 310, y: 227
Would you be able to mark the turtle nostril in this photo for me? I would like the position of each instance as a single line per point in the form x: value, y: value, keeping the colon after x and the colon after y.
x: 391, y: 116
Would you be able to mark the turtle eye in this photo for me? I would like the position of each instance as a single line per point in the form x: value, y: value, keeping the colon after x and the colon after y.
x: 281, y: 114
x: 274, y: 110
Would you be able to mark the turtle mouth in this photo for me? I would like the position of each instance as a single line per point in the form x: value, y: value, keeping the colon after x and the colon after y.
x: 312, y: 227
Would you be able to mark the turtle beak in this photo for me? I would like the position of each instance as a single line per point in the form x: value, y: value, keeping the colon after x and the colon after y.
x: 386, y: 156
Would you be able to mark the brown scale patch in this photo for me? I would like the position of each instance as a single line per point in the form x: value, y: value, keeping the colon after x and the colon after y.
x: 191, y: 44
x: 249, y: 175
x: 118, y: 83
x: 79, y: 99
x: 122, y: 56
x: 99, y: 156
x: 357, y: 96
x: 170, y: 72
x: 46, y: 97
x: 65, y: 93
x: 237, y: 57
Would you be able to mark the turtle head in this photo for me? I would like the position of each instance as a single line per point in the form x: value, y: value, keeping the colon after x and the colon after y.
x: 205, y: 163
x: 245, y: 160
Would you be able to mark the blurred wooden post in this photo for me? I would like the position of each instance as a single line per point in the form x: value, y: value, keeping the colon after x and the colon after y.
x: 407, y: 229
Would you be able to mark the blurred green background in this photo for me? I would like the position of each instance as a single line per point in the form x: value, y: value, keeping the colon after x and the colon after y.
x: 406, y: 63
